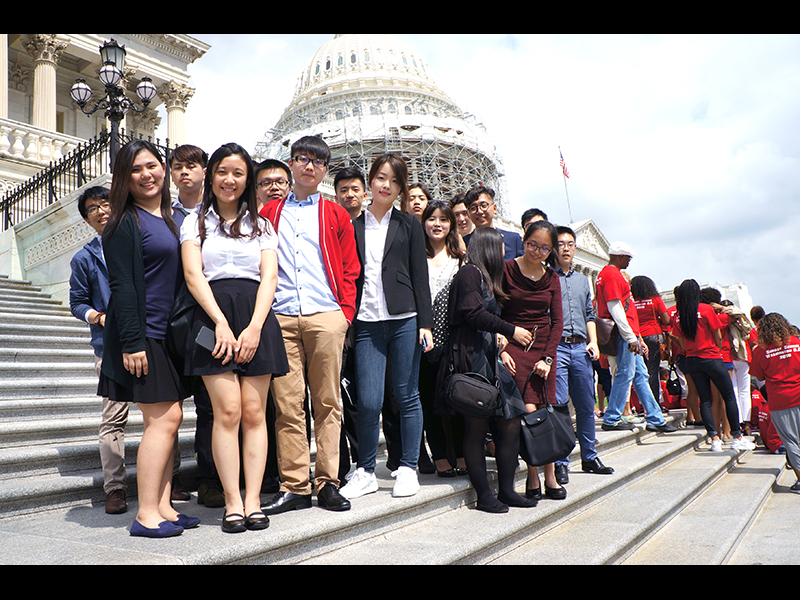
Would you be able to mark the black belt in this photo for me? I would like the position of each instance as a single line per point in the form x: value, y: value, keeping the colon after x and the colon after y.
x: 573, y: 340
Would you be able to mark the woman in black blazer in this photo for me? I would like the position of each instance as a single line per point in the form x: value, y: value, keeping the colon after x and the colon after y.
x: 393, y: 323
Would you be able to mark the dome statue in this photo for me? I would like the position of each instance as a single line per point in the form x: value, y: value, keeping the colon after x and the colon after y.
x: 368, y: 94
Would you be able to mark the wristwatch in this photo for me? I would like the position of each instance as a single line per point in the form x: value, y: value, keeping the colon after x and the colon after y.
x: 547, y: 360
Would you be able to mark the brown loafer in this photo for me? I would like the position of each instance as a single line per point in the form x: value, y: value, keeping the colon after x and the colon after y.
x: 116, y: 503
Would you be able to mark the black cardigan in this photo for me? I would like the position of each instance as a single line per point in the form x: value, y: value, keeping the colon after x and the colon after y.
x: 126, y: 320
x: 405, y: 267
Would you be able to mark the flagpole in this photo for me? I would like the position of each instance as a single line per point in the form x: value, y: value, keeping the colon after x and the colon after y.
x: 564, y: 173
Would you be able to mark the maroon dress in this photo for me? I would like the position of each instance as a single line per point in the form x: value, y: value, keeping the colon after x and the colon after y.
x: 533, y: 304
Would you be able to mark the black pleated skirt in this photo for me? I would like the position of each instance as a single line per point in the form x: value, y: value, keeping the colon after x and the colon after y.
x: 236, y: 299
x: 161, y: 384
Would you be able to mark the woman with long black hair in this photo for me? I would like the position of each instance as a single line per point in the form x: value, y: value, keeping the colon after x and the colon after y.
x: 140, y: 245
x: 653, y: 317
x: 231, y: 265
x: 698, y: 327
x: 475, y: 300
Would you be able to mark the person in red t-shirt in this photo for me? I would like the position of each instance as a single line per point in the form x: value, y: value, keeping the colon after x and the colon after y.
x: 653, y: 318
x: 614, y: 301
x: 776, y: 360
x: 698, y: 327
x: 769, y: 435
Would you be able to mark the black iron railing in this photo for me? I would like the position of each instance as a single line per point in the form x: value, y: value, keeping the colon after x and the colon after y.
x: 88, y: 161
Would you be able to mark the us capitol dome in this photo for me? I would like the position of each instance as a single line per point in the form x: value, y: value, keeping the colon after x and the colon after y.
x: 368, y: 94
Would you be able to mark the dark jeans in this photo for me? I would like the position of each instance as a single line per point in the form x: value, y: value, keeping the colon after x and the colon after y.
x: 704, y: 372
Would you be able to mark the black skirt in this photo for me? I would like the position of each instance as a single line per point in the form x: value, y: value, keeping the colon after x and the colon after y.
x: 236, y: 299
x: 161, y: 384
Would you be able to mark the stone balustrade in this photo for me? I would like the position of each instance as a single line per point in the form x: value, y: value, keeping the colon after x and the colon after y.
x: 33, y: 145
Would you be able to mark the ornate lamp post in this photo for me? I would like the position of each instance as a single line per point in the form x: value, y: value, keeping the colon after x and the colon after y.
x: 115, y: 101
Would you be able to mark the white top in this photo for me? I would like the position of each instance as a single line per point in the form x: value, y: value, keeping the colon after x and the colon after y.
x: 439, y: 277
x: 228, y: 258
x: 373, y: 301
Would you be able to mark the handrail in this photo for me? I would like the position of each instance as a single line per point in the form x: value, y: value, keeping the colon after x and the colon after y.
x: 87, y: 162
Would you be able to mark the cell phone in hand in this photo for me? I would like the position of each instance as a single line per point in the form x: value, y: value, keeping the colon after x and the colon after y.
x: 206, y: 338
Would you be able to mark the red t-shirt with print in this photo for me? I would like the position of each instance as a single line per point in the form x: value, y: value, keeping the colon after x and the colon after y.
x: 648, y: 312
x: 779, y: 366
x: 611, y: 285
x: 703, y: 345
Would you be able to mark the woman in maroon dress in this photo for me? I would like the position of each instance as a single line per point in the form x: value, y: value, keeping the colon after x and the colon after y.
x: 534, y: 304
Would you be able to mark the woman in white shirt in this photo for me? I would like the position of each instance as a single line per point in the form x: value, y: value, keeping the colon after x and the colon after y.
x: 231, y: 268
x: 393, y: 324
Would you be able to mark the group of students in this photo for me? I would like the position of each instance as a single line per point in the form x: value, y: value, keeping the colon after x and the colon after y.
x: 285, y: 285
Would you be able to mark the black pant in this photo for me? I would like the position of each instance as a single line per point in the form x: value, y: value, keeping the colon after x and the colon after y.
x: 705, y: 371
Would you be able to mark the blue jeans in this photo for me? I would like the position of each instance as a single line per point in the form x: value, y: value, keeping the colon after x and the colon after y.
x: 631, y: 370
x: 575, y: 381
x: 376, y: 343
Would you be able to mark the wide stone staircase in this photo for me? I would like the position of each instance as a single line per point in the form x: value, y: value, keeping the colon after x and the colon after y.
x: 670, y: 500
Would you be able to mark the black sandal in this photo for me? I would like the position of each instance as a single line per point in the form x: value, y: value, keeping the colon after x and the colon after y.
x: 256, y: 523
x: 233, y: 523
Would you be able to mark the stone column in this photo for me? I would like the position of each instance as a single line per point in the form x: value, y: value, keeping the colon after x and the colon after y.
x: 45, y: 49
x: 3, y: 76
x: 176, y: 97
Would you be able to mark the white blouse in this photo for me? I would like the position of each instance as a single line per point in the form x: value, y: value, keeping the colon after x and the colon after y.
x: 229, y: 258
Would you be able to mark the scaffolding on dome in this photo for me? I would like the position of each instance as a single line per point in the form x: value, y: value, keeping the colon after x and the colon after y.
x: 445, y: 148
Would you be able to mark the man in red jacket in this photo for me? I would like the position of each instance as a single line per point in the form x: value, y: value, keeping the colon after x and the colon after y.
x: 315, y: 303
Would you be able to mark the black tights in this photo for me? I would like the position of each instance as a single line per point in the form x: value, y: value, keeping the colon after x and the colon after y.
x: 506, y: 434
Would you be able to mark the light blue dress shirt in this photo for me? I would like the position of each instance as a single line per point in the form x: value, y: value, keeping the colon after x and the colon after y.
x: 303, y: 287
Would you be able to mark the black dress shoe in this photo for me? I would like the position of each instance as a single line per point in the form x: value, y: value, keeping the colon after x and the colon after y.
x: 329, y: 498
x: 285, y: 501
x: 595, y: 466
x: 665, y: 428
x: 555, y: 493
x: 562, y: 474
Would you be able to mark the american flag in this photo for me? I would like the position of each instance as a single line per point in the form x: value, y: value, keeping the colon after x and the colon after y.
x: 564, y: 165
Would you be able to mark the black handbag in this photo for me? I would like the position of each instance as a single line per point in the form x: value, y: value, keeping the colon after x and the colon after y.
x: 673, y: 383
x: 472, y: 395
x: 546, y: 434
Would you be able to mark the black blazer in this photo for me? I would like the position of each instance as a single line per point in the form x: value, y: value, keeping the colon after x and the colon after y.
x: 405, y: 267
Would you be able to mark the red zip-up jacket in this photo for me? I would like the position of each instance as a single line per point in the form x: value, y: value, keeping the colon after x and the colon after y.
x: 338, y: 244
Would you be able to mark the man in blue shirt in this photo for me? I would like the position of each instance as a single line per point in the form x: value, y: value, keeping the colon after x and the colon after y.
x: 578, y: 346
x: 481, y: 207
x: 88, y: 300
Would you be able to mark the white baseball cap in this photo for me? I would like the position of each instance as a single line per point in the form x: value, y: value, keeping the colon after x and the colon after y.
x: 620, y: 249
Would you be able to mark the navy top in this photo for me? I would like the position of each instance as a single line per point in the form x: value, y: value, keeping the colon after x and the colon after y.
x: 162, y: 264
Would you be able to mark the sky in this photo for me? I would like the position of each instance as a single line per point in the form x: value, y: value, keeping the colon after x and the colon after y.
x: 684, y: 146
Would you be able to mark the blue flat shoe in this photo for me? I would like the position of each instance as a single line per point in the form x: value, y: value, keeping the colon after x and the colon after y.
x: 187, y: 522
x: 165, y: 529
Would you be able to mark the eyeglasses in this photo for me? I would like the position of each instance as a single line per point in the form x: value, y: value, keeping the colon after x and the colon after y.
x: 317, y: 162
x: 569, y: 245
x: 268, y: 183
x: 543, y: 250
x: 479, y: 206
x: 95, y: 207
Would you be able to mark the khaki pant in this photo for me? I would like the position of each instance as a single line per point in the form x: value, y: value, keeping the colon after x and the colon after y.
x: 112, y: 440
x: 314, y: 347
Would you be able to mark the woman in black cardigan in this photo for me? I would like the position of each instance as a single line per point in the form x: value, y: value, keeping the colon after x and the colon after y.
x: 476, y: 296
x: 140, y: 244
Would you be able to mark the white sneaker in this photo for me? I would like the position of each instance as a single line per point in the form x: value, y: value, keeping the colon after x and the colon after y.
x: 716, y: 445
x: 406, y: 483
x: 361, y: 483
x: 742, y: 444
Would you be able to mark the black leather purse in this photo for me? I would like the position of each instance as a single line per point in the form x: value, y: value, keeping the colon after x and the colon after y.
x: 546, y: 434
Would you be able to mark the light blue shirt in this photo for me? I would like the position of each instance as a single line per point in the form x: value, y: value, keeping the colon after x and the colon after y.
x: 303, y: 287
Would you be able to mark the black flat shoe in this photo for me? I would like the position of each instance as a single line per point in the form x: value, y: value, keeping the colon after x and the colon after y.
x: 233, y: 523
x: 446, y: 473
x: 555, y: 493
x: 518, y: 501
x: 595, y: 466
x: 534, y: 493
x: 495, y: 507
x: 256, y: 523
x: 562, y: 474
